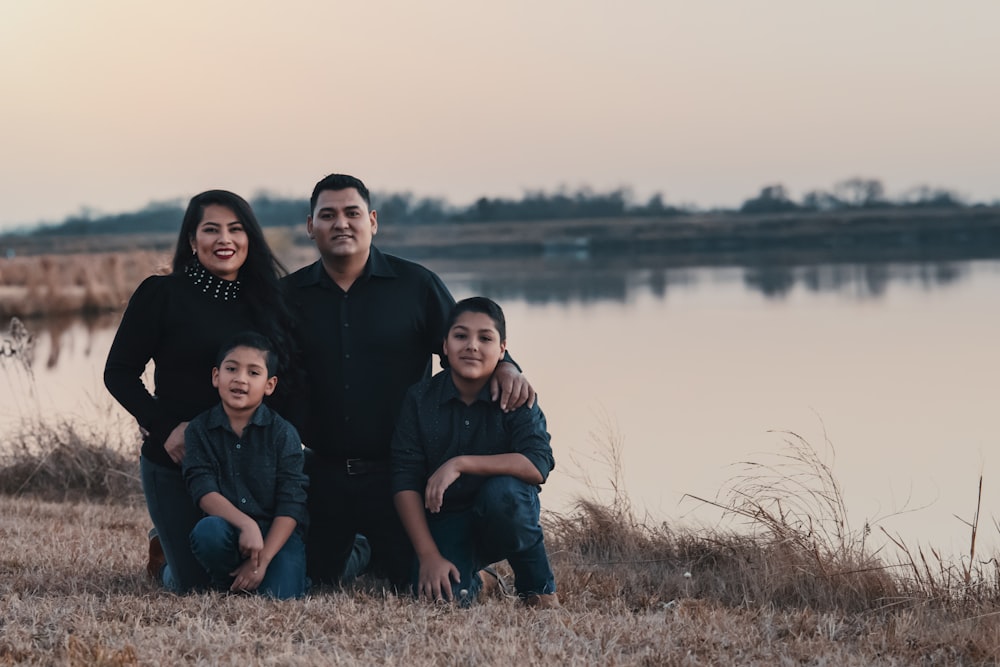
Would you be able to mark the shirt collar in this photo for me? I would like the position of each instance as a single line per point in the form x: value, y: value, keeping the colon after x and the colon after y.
x: 217, y: 417
x: 377, y: 265
x: 449, y: 392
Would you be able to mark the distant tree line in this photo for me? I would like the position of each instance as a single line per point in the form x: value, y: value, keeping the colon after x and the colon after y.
x: 851, y: 193
x: 406, y: 208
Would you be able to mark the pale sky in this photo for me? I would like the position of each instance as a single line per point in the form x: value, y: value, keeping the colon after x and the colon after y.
x: 111, y: 104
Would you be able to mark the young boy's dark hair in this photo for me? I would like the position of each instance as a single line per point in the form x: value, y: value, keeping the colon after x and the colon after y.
x: 254, y: 341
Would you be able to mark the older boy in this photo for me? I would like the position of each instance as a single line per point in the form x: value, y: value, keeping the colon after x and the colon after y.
x: 466, y: 474
x: 243, y: 467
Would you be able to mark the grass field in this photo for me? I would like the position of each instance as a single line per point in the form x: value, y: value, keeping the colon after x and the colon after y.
x: 792, y: 588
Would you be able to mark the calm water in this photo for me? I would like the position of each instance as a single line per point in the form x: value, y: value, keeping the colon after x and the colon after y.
x: 695, y: 370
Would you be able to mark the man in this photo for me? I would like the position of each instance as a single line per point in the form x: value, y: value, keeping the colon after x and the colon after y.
x: 368, y: 326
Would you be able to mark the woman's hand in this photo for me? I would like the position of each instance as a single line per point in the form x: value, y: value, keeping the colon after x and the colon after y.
x: 174, y: 444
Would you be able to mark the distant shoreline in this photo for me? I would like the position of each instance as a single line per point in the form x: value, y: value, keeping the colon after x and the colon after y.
x: 879, y: 234
x: 96, y: 273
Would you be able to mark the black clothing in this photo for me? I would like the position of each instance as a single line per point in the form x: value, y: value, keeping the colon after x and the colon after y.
x: 362, y: 349
x: 435, y: 425
x: 342, y: 505
x: 180, y: 325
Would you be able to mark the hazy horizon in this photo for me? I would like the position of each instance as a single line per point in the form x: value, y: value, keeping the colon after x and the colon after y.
x: 111, y: 105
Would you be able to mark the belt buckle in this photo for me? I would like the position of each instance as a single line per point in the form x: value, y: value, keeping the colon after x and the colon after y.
x: 350, y: 466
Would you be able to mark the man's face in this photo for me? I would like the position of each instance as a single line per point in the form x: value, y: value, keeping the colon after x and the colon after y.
x: 341, y: 224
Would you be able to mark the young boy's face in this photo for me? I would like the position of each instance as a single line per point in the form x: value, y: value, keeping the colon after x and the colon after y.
x: 473, y: 346
x: 242, y: 379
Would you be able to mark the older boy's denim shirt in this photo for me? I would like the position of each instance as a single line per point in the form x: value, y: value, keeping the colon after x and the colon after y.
x: 435, y: 425
x: 259, y: 472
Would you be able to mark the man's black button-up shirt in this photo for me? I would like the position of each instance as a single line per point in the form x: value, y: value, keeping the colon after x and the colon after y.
x: 362, y: 349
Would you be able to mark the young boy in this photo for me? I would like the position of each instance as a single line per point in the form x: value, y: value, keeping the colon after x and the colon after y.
x: 466, y: 476
x: 243, y: 467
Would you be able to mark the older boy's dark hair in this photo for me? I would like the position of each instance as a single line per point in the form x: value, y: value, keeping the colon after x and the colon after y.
x: 339, y: 182
x: 480, y: 304
x: 254, y: 341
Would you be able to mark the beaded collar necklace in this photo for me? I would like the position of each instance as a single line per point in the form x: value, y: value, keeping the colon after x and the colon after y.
x: 211, y: 284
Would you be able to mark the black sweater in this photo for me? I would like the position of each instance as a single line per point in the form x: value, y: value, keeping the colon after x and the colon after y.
x: 180, y: 326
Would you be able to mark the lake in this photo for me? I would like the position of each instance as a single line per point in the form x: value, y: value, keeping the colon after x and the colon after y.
x: 888, y: 370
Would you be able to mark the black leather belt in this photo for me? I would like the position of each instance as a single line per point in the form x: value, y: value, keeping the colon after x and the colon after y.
x: 365, y: 466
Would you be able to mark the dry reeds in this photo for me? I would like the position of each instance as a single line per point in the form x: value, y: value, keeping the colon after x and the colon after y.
x: 87, y: 283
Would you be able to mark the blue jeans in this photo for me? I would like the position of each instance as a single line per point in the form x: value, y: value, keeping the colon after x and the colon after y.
x: 502, y: 524
x: 216, y: 544
x: 174, y: 515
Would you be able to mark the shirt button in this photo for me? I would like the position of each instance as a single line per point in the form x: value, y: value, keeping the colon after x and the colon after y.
x: 238, y: 445
x: 466, y: 422
x: 243, y: 500
x: 346, y: 387
x: 347, y: 356
x: 346, y: 325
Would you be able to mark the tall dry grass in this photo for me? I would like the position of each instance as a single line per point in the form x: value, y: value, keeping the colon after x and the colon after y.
x: 88, y: 283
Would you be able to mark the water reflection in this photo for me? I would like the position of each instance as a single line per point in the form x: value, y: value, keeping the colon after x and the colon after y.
x: 598, y: 279
x: 64, y: 331
x: 862, y: 281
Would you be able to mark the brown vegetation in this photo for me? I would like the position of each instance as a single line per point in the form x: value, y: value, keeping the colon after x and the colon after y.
x: 41, y: 285
x: 790, y: 589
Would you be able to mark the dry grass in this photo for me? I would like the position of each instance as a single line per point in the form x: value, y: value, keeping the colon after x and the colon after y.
x: 41, y: 285
x: 73, y: 591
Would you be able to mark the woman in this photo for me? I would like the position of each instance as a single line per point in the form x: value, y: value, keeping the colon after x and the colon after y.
x: 224, y: 280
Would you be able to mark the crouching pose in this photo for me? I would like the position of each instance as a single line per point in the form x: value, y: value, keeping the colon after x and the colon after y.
x: 243, y: 467
x: 466, y: 475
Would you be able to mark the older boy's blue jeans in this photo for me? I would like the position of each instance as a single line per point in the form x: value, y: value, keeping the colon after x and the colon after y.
x: 216, y: 544
x: 501, y: 524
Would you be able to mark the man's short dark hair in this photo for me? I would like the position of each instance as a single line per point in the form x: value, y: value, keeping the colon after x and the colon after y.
x: 339, y: 182
x: 480, y: 304
x: 254, y: 341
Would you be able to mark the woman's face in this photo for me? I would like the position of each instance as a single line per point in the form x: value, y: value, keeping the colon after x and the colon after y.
x: 220, y: 242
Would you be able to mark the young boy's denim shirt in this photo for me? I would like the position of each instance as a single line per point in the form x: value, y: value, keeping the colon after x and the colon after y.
x: 259, y: 472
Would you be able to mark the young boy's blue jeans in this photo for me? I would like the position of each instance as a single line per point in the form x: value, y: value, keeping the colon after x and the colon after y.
x: 216, y: 544
x: 501, y: 524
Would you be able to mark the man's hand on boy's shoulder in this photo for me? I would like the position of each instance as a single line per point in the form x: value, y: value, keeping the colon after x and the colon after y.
x: 511, y: 387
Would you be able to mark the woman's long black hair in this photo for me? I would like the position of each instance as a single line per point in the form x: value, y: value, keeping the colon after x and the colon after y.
x: 258, y: 276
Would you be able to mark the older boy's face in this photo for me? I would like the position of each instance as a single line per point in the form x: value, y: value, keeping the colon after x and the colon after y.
x: 242, y: 379
x: 473, y: 346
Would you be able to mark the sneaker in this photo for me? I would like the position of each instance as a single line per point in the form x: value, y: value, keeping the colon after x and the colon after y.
x: 157, y: 559
x: 492, y: 583
x: 541, y: 601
